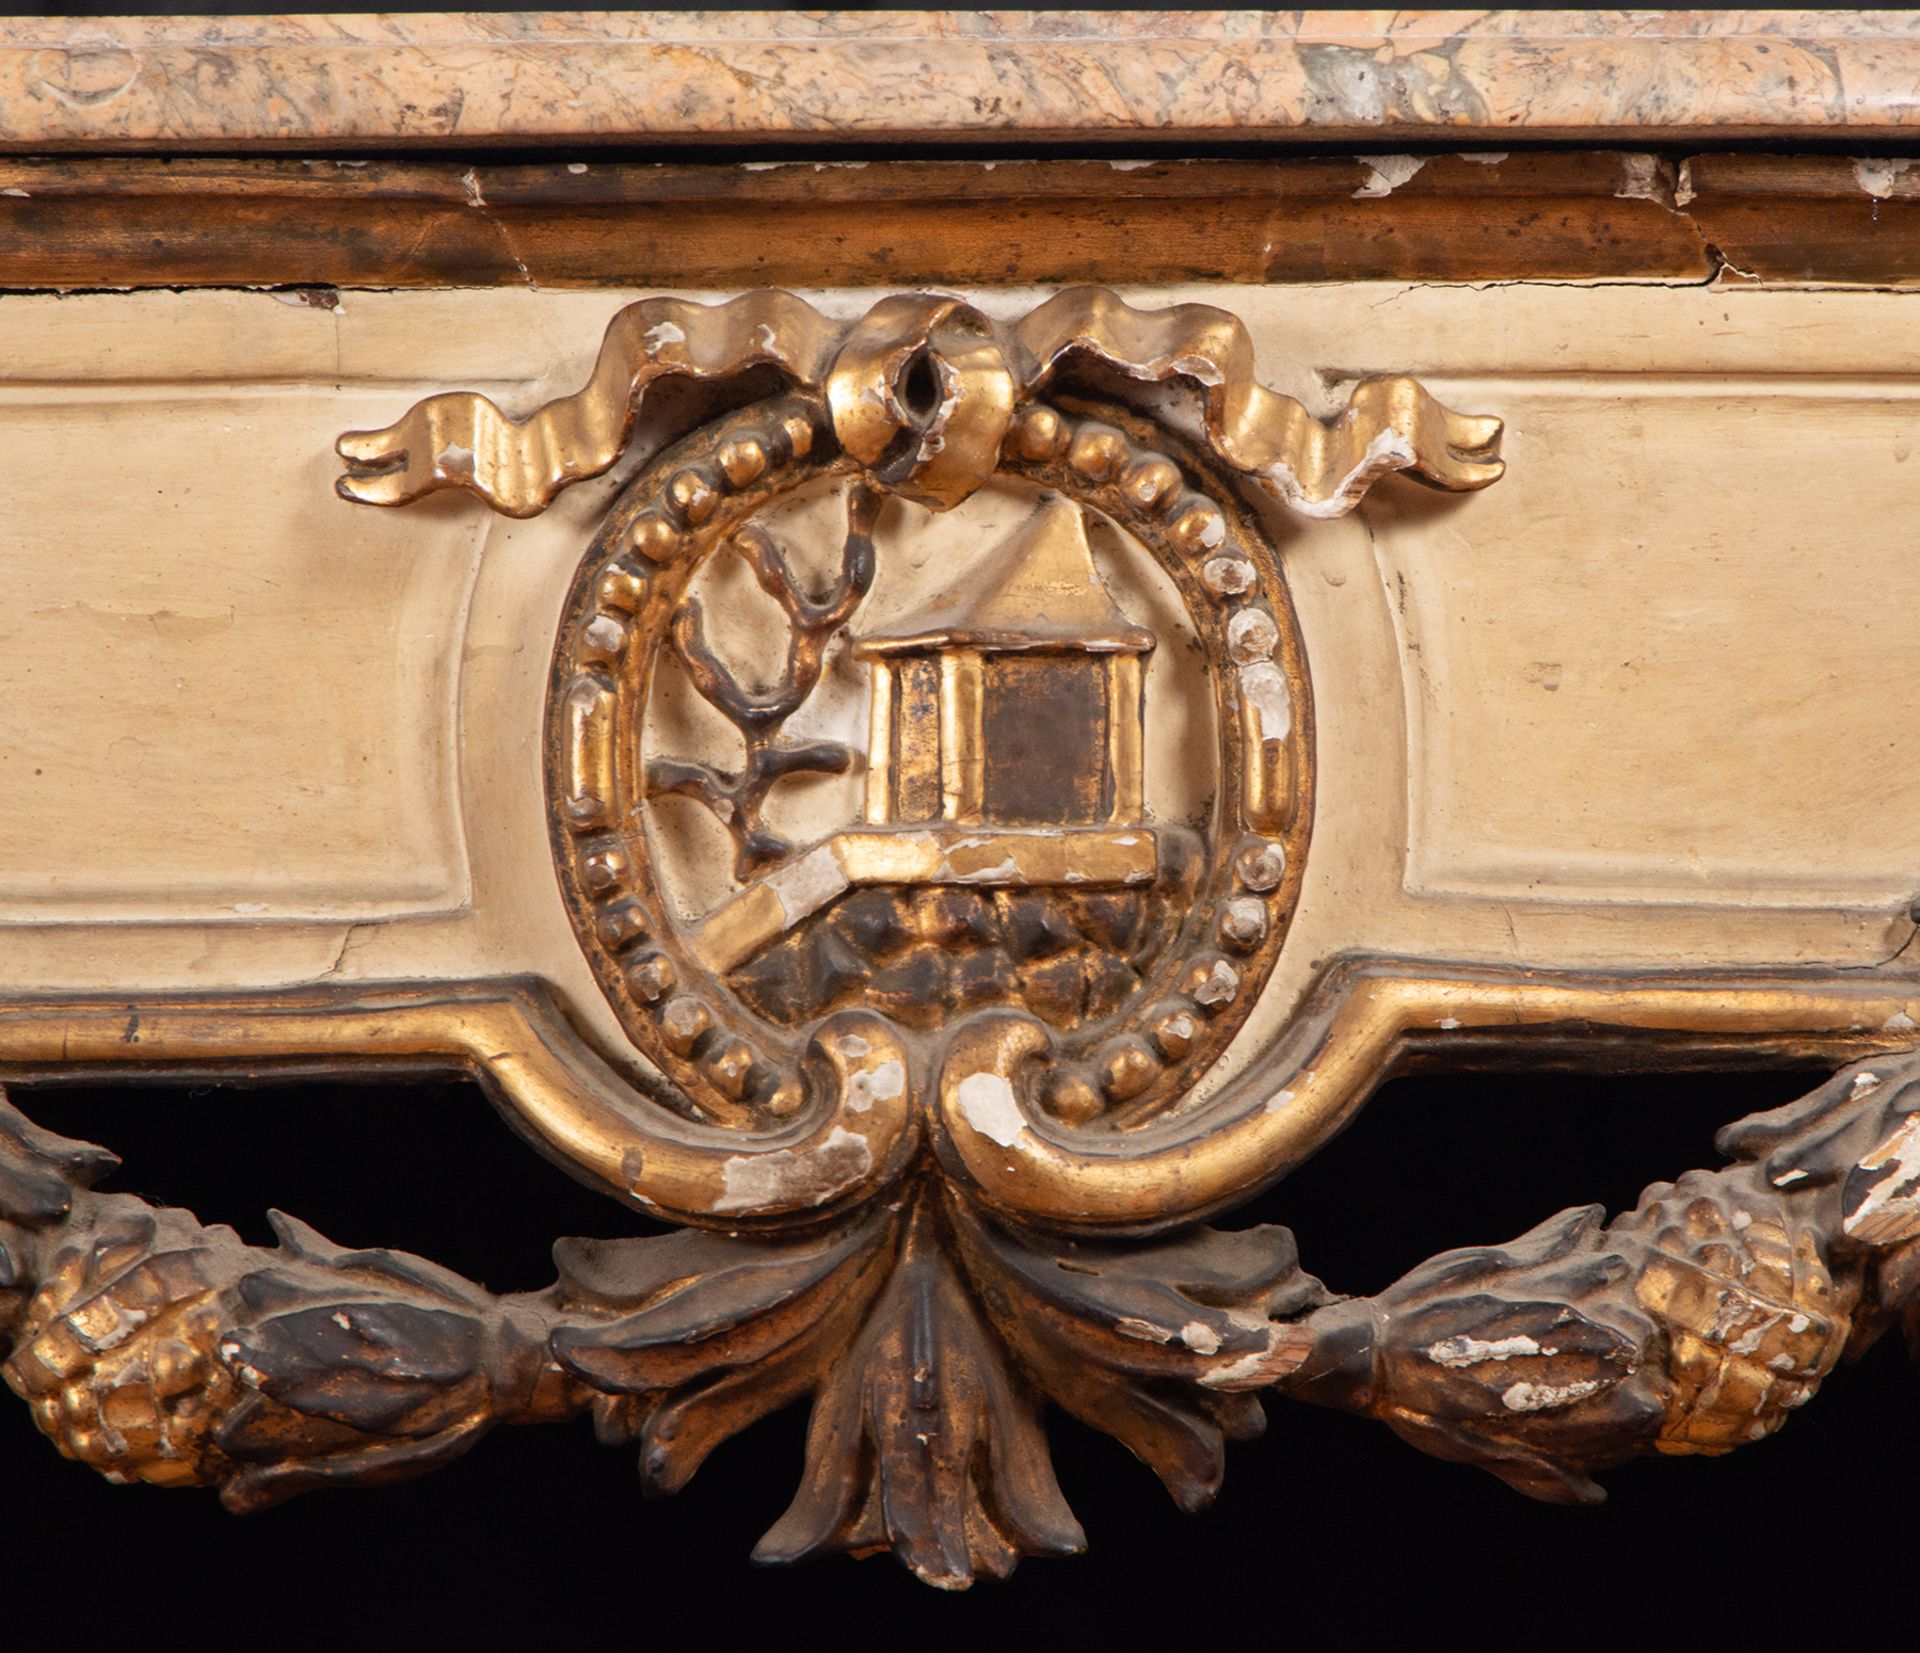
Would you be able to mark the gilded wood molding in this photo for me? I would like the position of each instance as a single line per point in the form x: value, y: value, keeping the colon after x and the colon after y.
x: 1436, y: 214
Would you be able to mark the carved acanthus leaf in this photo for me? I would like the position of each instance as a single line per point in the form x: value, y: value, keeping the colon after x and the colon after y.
x: 710, y: 1332
x: 928, y: 1336
x: 924, y: 1440
x: 1159, y: 1344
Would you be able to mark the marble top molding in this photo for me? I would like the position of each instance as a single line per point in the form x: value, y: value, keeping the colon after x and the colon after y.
x: 781, y: 79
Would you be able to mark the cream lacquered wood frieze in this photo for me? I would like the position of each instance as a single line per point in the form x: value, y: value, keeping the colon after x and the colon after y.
x: 940, y: 795
x: 1509, y: 685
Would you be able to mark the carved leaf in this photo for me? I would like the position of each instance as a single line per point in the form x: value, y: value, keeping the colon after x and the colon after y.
x: 1530, y: 1359
x: 1820, y: 1139
x: 354, y: 1393
x: 1698, y: 1321
x: 391, y: 1270
x: 1896, y: 1299
x: 1159, y: 1344
x: 328, y: 1454
x: 382, y: 1368
x: 156, y: 1348
x: 381, y: 1342
x: 718, y: 1330
x: 924, y: 1440
x: 39, y: 1175
x: 362, y: 1366
x: 40, y: 1171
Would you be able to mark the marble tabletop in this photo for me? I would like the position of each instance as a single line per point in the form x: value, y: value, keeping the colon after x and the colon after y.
x: 847, y: 79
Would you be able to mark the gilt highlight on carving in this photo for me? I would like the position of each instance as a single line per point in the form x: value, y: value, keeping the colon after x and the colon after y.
x: 977, y: 373
x: 947, y: 816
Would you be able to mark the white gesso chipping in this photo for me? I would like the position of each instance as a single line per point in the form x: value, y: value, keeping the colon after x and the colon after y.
x: 1460, y: 1352
x: 805, y: 885
x: 988, y: 1104
x: 788, y: 1177
x: 1264, y: 690
x: 1385, y: 174
x: 881, y: 1084
x: 1543, y: 1397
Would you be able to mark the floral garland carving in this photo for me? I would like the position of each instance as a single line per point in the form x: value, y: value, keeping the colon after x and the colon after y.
x: 929, y: 1332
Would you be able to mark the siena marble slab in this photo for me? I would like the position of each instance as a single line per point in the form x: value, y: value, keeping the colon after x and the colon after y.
x: 185, y: 83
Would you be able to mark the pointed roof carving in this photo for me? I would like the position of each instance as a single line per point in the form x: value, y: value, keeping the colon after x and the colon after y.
x: 1036, y: 590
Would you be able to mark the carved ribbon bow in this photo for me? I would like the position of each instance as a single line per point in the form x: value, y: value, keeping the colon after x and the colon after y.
x: 921, y: 390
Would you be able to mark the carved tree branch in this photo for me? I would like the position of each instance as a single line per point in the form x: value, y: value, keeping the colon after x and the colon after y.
x: 735, y: 800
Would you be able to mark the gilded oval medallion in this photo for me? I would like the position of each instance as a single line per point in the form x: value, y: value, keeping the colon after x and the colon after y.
x: 816, y: 746
x: 929, y: 744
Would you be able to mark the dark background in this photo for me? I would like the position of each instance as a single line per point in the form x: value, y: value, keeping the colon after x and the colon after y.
x: 1326, y: 1517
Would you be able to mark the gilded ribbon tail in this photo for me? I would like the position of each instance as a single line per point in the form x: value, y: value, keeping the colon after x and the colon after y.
x: 462, y: 439
x: 1317, y: 469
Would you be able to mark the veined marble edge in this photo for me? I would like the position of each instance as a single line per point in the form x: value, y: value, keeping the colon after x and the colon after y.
x: 278, y: 82
x: 1327, y: 27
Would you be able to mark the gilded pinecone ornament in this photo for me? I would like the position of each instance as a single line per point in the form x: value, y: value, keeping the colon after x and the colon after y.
x: 1752, y: 1314
x: 157, y: 1350
x: 117, y: 1355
